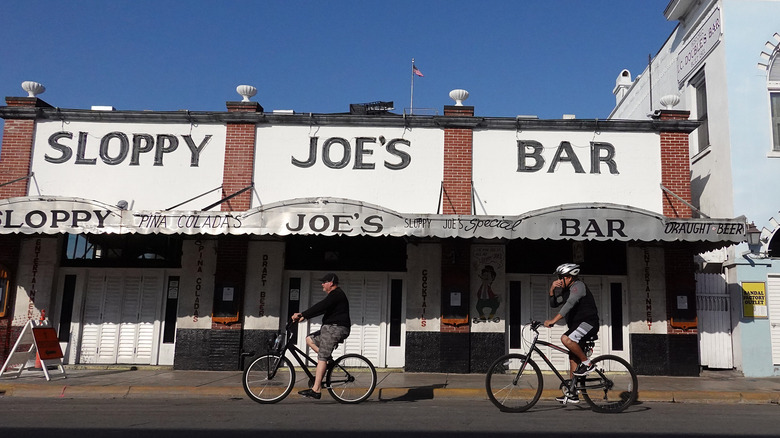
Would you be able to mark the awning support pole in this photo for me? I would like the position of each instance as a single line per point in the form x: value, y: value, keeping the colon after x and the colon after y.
x: 192, y: 199
x: 684, y: 201
x: 227, y: 198
x: 18, y: 179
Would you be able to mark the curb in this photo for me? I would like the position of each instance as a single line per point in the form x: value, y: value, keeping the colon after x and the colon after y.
x: 382, y: 394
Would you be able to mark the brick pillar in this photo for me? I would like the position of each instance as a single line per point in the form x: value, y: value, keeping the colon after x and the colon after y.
x: 16, y: 153
x: 15, y: 163
x: 458, y: 145
x: 455, y: 328
x: 225, y: 336
x: 239, y: 158
x: 675, y: 167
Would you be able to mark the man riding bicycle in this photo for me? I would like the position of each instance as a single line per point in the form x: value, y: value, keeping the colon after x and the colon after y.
x: 582, y: 319
x: 336, y: 325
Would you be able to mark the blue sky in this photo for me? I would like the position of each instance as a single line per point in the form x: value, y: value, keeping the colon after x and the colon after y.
x: 545, y: 57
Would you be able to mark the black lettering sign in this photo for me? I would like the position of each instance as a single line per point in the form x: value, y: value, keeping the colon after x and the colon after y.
x: 571, y: 227
x: 53, y: 218
x: 115, y: 147
x: 335, y: 223
x: 337, y: 153
x: 530, y: 157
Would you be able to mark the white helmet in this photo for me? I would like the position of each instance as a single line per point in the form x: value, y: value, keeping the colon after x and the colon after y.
x: 567, y: 269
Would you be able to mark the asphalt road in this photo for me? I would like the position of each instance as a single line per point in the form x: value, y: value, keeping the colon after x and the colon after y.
x: 453, y: 418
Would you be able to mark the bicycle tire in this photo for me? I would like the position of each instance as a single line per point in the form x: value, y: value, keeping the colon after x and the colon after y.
x: 351, y: 378
x: 611, y: 387
x: 264, y: 388
x: 510, y: 390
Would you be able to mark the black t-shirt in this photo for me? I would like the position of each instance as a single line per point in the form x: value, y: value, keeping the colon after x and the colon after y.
x: 334, y: 309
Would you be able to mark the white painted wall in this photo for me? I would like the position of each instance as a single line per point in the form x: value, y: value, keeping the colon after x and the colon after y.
x: 413, y: 189
x: 502, y: 189
x: 143, y: 186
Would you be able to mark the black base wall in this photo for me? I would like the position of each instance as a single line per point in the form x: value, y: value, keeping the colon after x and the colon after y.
x: 665, y: 355
x: 218, y: 350
x: 485, y: 348
x: 461, y: 353
x: 192, y: 349
x: 422, y: 351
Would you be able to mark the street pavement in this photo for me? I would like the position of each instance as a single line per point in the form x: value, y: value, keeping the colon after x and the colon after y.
x: 109, y: 382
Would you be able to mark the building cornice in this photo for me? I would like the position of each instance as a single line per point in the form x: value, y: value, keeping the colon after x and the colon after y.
x: 312, y: 119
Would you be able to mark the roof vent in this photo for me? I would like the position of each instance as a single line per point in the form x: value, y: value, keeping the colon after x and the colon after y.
x: 370, y: 108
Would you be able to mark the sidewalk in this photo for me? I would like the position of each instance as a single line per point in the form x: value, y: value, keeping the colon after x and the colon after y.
x: 162, y: 382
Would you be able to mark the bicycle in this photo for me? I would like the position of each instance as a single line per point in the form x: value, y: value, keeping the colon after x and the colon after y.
x: 514, y: 382
x: 269, y: 378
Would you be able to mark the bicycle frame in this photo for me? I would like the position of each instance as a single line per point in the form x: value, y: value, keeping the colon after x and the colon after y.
x: 534, y: 348
x: 574, y: 383
x: 302, y: 358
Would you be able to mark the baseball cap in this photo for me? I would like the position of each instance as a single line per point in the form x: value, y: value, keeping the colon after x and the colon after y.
x: 330, y: 277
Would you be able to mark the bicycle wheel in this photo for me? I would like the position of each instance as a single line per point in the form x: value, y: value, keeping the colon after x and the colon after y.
x: 512, y: 389
x: 351, y: 379
x: 612, y: 386
x: 269, y: 378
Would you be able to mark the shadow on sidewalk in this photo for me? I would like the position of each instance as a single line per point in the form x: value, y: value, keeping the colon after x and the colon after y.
x: 415, y: 394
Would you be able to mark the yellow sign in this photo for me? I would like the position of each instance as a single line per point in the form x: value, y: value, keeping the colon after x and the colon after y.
x: 754, y: 300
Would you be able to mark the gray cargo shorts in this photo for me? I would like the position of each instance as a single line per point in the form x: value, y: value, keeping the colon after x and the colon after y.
x: 326, y: 339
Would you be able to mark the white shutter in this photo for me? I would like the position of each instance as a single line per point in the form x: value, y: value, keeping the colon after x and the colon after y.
x: 364, y: 293
x: 541, y: 311
x: 120, y: 318
x: 111, y: 316
x: 595, y: 286
x: 773, y: 303
x: 371, y: 342
x: 353, y: 287
x: 128, y: 327
x: 90, y: 331
x: 714, y: 321
x: 147, y: 317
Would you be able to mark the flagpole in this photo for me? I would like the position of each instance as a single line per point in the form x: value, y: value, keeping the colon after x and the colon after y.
x: 411, y: 101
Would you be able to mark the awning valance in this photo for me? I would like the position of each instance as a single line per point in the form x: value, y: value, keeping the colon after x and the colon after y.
x: 336, y: 216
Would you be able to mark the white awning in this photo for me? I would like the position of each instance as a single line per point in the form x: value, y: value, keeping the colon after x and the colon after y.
x: 336, y: 216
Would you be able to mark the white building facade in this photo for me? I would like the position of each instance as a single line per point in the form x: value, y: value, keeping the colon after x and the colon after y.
x: 186, y: 239
x: 721, y: 64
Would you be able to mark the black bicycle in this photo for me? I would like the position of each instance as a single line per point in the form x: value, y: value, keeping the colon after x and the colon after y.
x: 269, y: 378
x: 514, y: 382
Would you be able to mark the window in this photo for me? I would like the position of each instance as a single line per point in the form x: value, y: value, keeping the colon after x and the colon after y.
x: 773, y: 83
x: 703, y: 132
x: 774, y: 102
x: 110, y: 250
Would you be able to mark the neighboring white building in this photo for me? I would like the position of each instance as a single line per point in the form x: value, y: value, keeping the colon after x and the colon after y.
x: 721, y: 63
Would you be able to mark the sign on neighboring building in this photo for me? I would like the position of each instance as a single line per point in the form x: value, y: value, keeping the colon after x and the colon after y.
x: 754, y: 300
x: 699, y: 46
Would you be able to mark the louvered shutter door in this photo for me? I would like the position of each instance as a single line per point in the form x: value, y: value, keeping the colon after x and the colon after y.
x: 90, y: 330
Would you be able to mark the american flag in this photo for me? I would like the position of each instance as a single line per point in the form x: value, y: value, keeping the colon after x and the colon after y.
x: 416, y: 71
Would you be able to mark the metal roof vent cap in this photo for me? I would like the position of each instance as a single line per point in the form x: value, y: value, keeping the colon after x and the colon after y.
x: 246, y: 91
x: 459, y: 96
x: 33, y: 88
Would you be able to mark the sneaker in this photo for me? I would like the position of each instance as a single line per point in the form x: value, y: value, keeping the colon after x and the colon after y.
x: 310, y: 393
x: 568, y: 398
x: 584, y: 370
